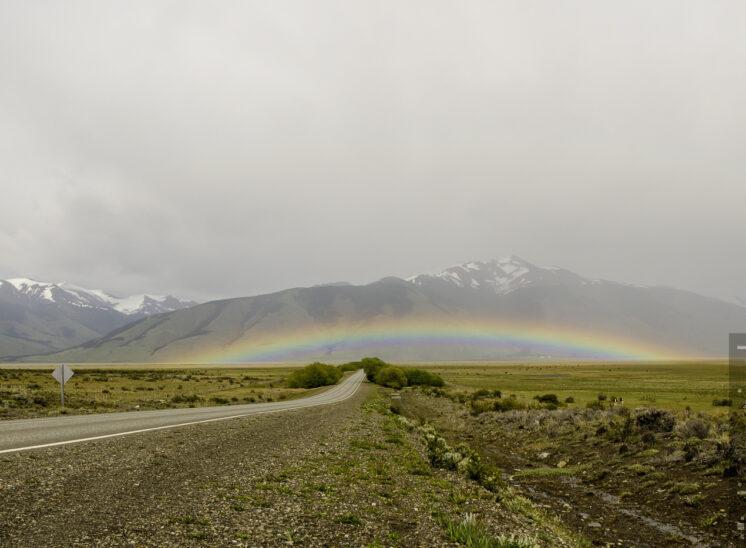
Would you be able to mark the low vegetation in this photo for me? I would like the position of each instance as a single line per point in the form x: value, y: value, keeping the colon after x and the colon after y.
x: 591, y: 452
x: 33, y: 392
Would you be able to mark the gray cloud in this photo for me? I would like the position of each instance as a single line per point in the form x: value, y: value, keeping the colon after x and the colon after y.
x: 232, y: 148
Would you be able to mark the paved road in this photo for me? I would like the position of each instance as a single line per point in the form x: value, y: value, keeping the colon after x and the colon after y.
x: 25, y: 434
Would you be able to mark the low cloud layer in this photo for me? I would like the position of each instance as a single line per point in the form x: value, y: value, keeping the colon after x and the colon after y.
x: 228, y: 149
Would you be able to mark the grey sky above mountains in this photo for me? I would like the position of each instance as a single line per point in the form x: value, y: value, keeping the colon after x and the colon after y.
x: 233, y: 148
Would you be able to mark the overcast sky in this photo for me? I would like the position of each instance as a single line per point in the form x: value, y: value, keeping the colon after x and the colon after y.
x: 211, y: 149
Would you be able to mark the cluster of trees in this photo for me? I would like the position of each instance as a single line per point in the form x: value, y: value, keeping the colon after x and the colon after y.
x: 377, y: 370
x: 385, y: 374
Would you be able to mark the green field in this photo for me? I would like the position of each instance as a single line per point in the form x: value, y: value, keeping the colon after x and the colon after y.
x: 673, y: 385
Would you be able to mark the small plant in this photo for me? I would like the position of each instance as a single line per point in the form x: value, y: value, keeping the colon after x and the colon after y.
x: 349, y: 519
x: 191, y: 520
x: 199, y: 535
x: 683, y: 488
x: 712, y: 520
x: 470, y: 532
x: 457, y: 497
x: 694, y: 501
x: 640, y: 469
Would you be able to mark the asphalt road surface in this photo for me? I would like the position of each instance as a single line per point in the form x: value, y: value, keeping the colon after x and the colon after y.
x: 26, y: 434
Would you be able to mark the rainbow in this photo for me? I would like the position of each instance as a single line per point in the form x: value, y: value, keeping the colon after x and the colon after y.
x: 492, y: 338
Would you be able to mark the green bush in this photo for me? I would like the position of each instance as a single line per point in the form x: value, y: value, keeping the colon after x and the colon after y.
x: 508, y: 404
x: 181, y: 398
x: 349, y: 366
x: 422, y: 377
x: 391, y: 376
x: 548, y: 398
x: 313, y: 375
x: 655, y: 420
x: 372, y: 366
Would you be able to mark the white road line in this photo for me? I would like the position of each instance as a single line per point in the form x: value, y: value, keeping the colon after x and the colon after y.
x: 179, y: 425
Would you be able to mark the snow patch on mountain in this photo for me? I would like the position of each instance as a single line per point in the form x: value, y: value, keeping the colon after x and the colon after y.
x: 73, y: 295
x: 501, y: 276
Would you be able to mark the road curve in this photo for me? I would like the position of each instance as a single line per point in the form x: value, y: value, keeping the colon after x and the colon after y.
x: 27, y: 434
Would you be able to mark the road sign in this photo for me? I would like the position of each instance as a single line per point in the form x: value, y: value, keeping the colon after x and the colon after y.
x: 62, y: 374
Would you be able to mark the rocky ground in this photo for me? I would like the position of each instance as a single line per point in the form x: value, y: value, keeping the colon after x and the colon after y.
x: 350, y: 474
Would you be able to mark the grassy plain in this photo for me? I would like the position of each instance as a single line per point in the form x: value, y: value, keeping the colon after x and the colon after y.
x: 30, y: 390
x: 671, y: 385
x: 33, y: 392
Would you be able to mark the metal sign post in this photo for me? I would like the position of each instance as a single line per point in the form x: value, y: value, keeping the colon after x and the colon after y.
x: 62, y: 374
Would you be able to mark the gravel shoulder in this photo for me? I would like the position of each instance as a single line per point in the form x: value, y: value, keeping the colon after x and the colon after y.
x: 348, y: 474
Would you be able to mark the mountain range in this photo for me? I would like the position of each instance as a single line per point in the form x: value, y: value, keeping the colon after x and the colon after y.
x: 41, y: 317
x: 503, y: 309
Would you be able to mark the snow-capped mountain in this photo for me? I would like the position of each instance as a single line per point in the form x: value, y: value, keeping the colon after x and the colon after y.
x: 500, y: 276
x: 480, y: 297
x: 38, y: 317
x: 66, y: 293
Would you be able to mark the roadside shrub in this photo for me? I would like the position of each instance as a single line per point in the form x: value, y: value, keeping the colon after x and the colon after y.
x: 314, y: 375
x: 595, y: 404
x: 602, y: 397
x: 724, y: 402
x: 655, y: 420
x: 569, y: 399
x: 391, y: 376
x: 422, y: 377
x: 349, y: 366
x: 371, y: 366
x: 181, y: 398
